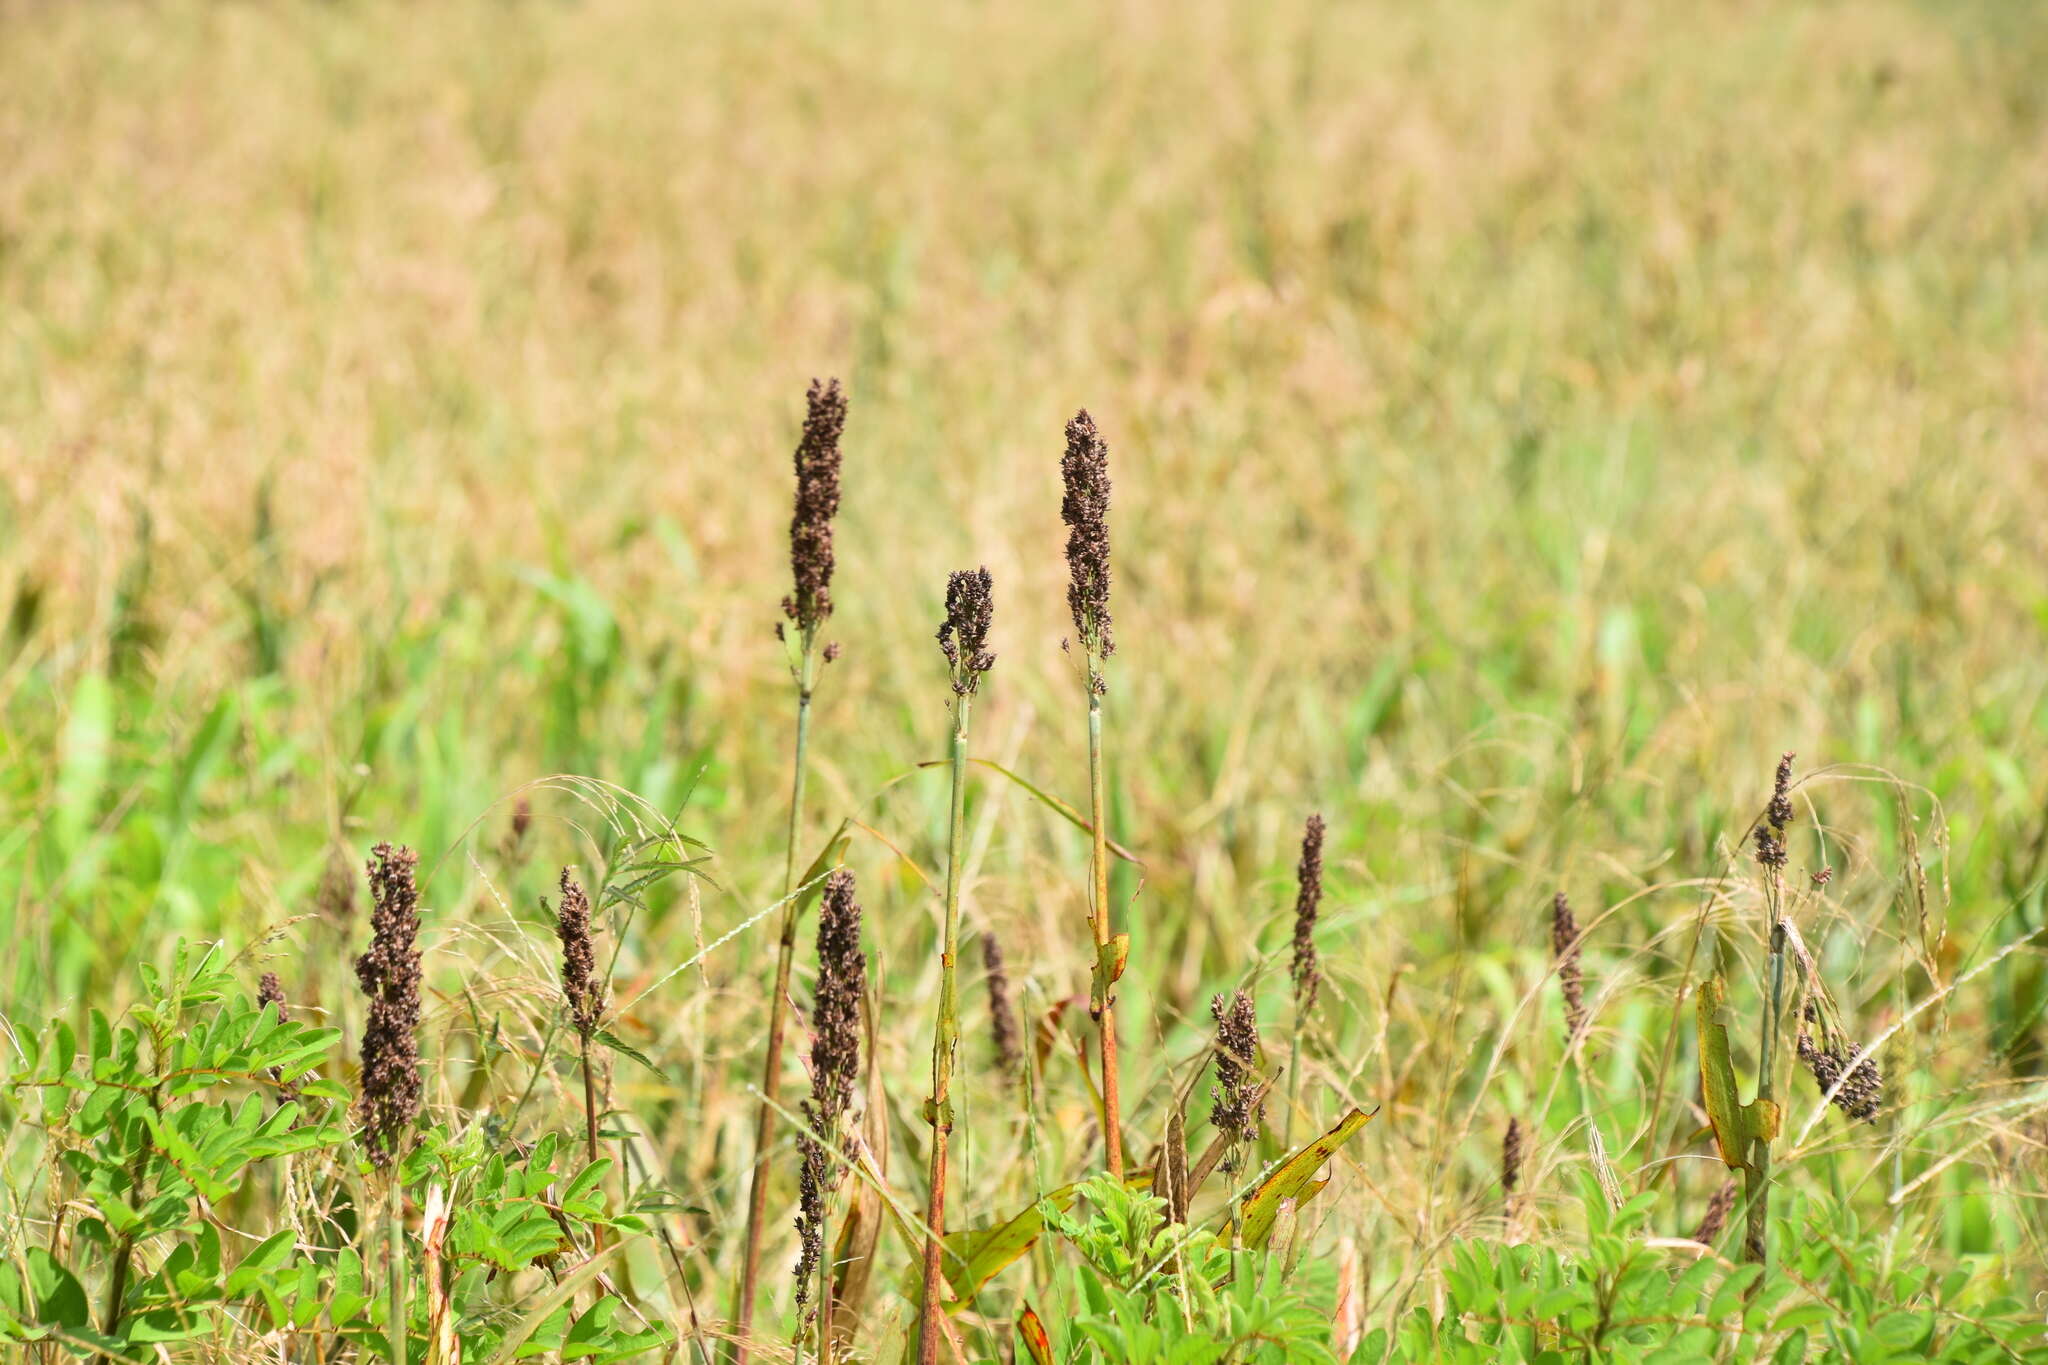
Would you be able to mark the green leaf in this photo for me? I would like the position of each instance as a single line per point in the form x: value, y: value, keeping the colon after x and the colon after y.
x: 1295, y: 1179
x: 269, y: 1255
x: 566, y: 1289
x: 55, y: 1297
x: 1736, y: 1125
x: 622, y: 1047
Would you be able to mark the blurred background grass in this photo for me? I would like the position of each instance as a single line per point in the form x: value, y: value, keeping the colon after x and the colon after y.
x: 1526, y: 422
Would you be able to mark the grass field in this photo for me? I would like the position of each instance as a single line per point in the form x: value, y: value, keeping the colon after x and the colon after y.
x: 1526, y: 423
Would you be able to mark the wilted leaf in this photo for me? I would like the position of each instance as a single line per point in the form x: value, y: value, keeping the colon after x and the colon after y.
x: 1735, y: 1124
x: 1295, y: 1179
x: 1031, y: 1332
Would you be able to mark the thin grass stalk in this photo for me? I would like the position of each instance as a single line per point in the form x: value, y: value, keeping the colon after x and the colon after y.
x: 1112, y: 1104
x: 1771, y: 856
x: 785, y: 954
x: 394, y: 1222
x: 939, y: 1111
x: 808, y: 606
x: 1757, y: 1175
x: 589, y: 1099
x: 1293, y: 1081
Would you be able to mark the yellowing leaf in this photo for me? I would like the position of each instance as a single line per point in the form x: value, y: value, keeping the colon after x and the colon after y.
x: 1735, y: 1124
x: 1032, y: 1333
x: 1296, y: 1179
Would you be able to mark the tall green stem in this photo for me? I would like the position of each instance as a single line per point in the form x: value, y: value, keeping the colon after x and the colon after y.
x: 1105, y: 969
x: 771, y: 1070
x: 589, y: 1098
x: 1757, y: 1175
x: 1293, y: 1079
x: 394, y: 1223
x: 939, y: 1109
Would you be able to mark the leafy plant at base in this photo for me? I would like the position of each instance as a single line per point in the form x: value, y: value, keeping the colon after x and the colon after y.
x: 155, y: 1123
x: 1150, y: 1292
x: 1626, y: 1300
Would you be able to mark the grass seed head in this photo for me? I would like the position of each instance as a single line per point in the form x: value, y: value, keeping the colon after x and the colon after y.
x: 835, y: 1066
x: 1863, y: 1092
x: 1238, y: 1107
x: 1084, y: 507
x: 269, y: 991
x: 1770, y: 835
x: 336, y: 900
x: 1001, y: 1013
x: 963, y: 638
x: 817, y: 502
x: 580, y: 986
x: 1511, y: 1157
x: 1308, y: 875
x: 1564, y: 943
x: 389, y: 974
x: 1716, y: 1216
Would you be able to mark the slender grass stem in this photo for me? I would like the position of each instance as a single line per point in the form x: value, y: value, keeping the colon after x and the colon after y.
x: 1757, y: 1175
x: 589, y: 1098
x: 771, y: 1068
x: 939, y: 1110
x: 394, y: 1226
x: 1293, y: 1079
x: 1105, y: 1015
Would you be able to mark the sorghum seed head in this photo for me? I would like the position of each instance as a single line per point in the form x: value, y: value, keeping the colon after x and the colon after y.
x: 835, y: 1016
x: 1564, y: 943
x: 269, y: 991
x: 963, y: 638
x: 1511, y: 1157
x: 580, y: 986
x: 835, y: 1065
x: 1770, y: 836
x: 1002, y: 1015
x: 1238, y: 1108
x: 817, y: 502
x: 1716, y: 1216
x: 1863, y: 1090
x: 1308, y: 876
x: 336, y: 899
x: 1084, y: 507
x: 389, y: 974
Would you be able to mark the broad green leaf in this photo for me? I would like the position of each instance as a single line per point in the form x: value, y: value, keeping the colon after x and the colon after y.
x: 1736, y: 1125
x: 565, y: 1290
x: 1295, y: 1179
